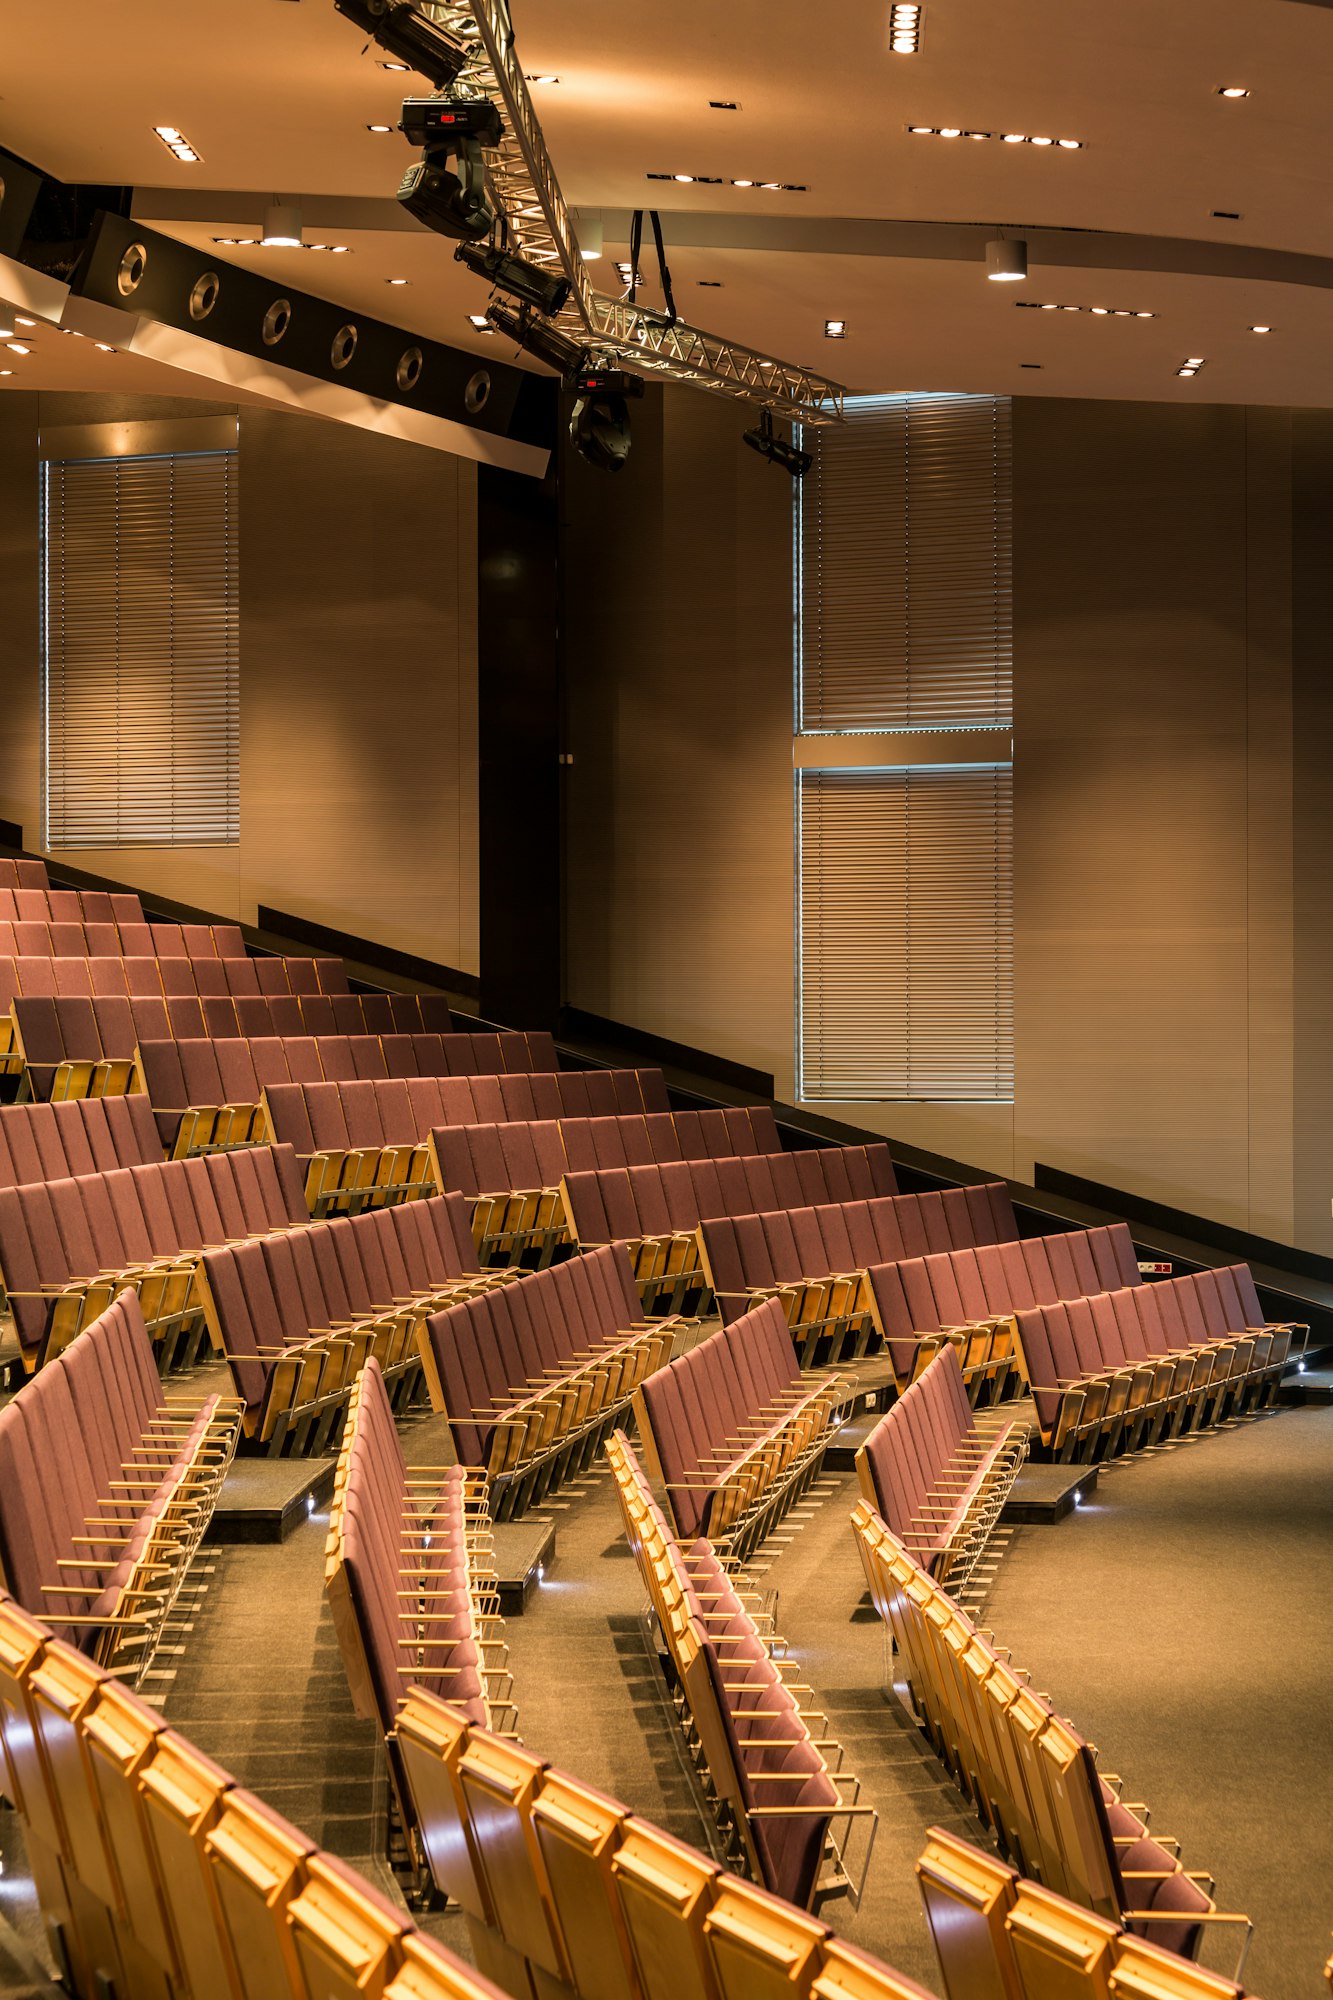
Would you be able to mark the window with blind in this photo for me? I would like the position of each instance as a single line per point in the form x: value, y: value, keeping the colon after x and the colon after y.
x: 905, y: 836
x: 141, y: 668
x: 907, y: 933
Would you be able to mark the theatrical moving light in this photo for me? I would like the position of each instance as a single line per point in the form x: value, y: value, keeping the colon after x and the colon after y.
x: 548, y: 291
x: 536, y: 337
x: 450, y: 199
x: 599, y: 422
x: 418, y: 43
x: 776, y: 450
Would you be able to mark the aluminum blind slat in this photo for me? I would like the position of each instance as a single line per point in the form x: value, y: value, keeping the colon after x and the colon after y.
x: 906, y: 911
x: 905, y: 544
x: 141, y: 673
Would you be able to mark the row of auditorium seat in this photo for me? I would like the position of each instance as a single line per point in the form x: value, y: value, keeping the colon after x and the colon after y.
x: 656, y: 1210
x: 1132, y: 1364
x: 207, y: 1092
x: 106, y: 1491
x: 23, y: 872
x: 816, y: 1260
x: 297, y: 1314
x: 160, y: 1879
x: 514, y: 1171
x: 532, y: 1377
x: 996, y: 1934
x: 733, y: 1430
x: 83, y: 1135
x: 83, y: 975
x: 42, y: 934
x: 937, y: 1473
x: 67, y: 1247
x: 370, y: 1137
x: 409, y: 1573
x: 966, y: 1293
x: 786, y: 1808
x: 86, y: 1048
x: 78, y: 906
x: 1028, y: 1773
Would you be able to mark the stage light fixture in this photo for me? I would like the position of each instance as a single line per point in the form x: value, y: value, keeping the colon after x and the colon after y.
x: 450, y: 198
x: 1007, y: 259
x: 535, y: 336
x: 776, y: 450
x: 599, y: 427
x: 548, y: 291
x: 409, y: 37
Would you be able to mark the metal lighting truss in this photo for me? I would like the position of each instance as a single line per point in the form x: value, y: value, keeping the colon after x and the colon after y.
x: 528, y: 195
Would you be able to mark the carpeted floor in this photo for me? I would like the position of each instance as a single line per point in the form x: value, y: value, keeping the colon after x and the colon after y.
x: 1183, y: 1621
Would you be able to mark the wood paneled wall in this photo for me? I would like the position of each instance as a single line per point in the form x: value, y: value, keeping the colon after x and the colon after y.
x: 358, y: 681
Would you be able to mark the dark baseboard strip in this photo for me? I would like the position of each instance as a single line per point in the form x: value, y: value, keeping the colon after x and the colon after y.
x: 578, y: 1025
x: 1180, y: 1222
x: 342, y: 944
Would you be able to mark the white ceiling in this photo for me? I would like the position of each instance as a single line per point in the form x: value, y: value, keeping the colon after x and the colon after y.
x: 276, y: 95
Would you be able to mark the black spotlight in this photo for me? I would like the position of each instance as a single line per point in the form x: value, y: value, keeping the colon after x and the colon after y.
x: 450, y: 198
x: 599, y: 422
x: 535, y: 336
x: 409, y: 36
x: 546, y: 290
x: 776, y: 450
x: 452, y: 204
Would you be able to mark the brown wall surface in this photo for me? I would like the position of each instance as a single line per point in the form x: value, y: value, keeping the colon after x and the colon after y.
x: 1174, y: 908
x: 358, y: 680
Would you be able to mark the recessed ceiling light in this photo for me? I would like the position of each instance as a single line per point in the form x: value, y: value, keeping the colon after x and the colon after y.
x: 379, y: 128
x: 835, y: 329
x: 722, y: 104
x: 1098, y: 312
x: 177, y: 144
x: 1029, y: 364
x: 392, y: 65
x: 1226, y: 215
x: 541, y: 79
x: 904, y: 29
x: 103, y: 348
x: 19, y: 320
x: 17, y: 347
x: 1191, y: 366
x: 1008, y: 138
x: 397, y: 281
x: 1261, y: 329
x: 713, y: 284
x: 717, y: 180
x: 6, y: 371
x: 257, y: 243
x: 1232, y: 90
x: 479, y: 320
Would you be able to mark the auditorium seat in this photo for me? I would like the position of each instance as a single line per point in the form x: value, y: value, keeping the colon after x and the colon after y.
x: 410, y: 1579
x: 1129, y: 1366
x: 297, y: 1314
x: 998, y: 1937
x: 105, y: 1491
x: 68, y: 1247
x: 515, y: 1171
x: 734, y: 1431
x: 531, y: 1376
x: 656, y: 1210
x: 937, y: 1473
x: 771, y: 1762
x: 365, y: 1141
x: 158, y: 1877
x: 82, y: 1136
x: 1029, y: 1774
x: 816, y: 1261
